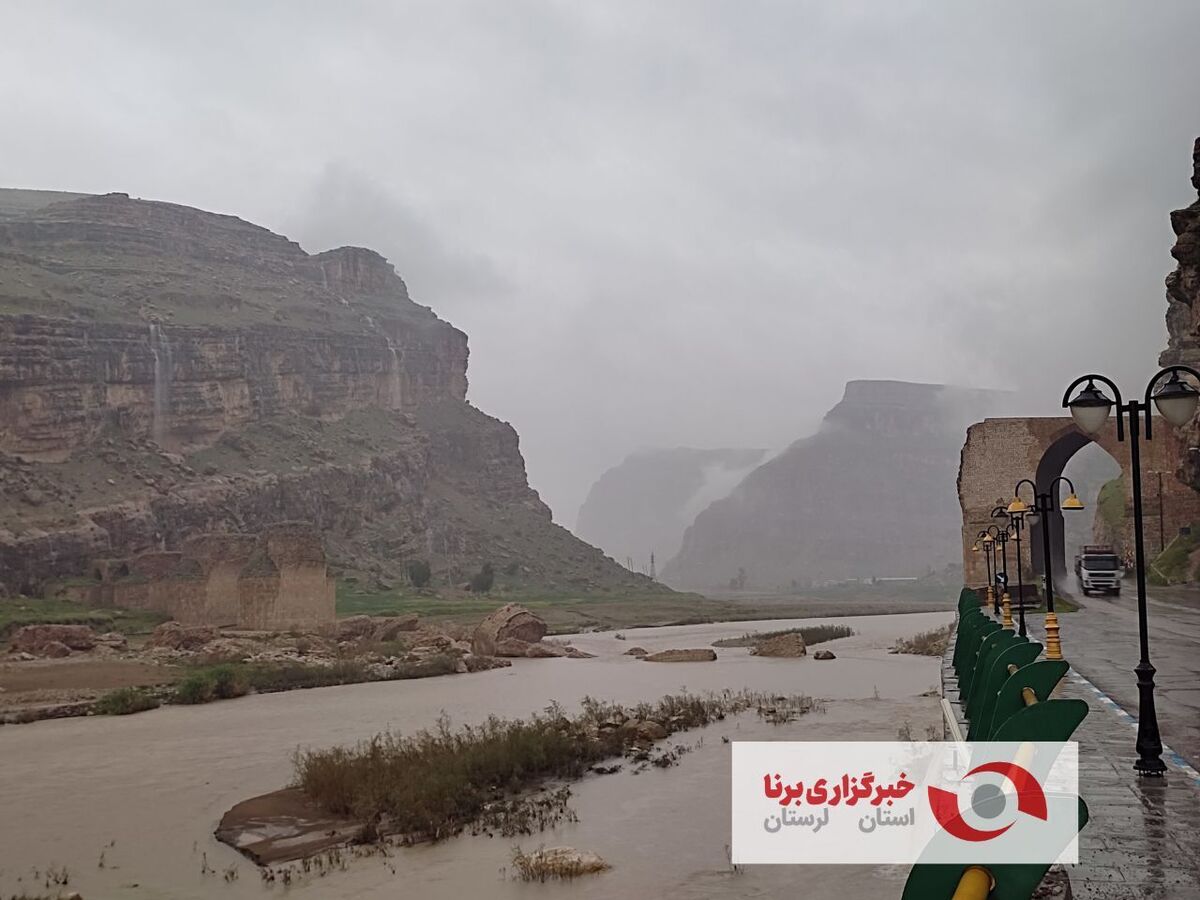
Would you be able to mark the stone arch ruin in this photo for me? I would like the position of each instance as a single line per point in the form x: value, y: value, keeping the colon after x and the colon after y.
x: 1000, y: 452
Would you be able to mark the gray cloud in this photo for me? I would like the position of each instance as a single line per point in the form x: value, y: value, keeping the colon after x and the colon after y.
x: 672, y: 223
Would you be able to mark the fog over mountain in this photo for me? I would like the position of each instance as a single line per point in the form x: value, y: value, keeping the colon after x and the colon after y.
x: 871, y: 494
x: 670, y: 224
x: 642, y: 506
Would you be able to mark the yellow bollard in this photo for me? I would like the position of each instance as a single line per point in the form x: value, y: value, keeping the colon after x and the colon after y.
x: 975, y: 884
x: 1053, y: 643
x: 1028, y: 696
x: 1006, y: 610
x: 991, y: 599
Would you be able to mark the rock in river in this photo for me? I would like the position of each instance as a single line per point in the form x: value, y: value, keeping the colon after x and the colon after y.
x: 701, y: 655
x: 511, y: 622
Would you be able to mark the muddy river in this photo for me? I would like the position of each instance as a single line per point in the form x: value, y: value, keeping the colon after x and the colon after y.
x: 128, y: 805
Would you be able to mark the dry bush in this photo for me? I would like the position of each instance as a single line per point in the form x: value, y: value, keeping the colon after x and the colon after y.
x: 927, y: 643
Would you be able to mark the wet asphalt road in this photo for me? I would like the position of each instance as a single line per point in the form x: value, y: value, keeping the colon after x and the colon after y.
x: 1101, y: 643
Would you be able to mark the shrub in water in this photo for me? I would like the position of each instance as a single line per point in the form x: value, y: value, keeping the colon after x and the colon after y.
x: 228, y: 682
x: 124, y: 701
x: 199, y: 687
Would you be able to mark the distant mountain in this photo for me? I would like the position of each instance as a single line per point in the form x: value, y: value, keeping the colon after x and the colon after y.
x: 643, y: 505
x: 872, y: 493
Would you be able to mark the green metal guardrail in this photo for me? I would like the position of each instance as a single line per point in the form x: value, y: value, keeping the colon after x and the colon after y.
x: 1006, y: 695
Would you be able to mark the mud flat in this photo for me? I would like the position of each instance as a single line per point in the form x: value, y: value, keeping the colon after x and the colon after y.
x: 144, y: 794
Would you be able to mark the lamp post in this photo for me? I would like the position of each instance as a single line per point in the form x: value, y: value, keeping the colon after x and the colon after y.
x: 984, y: 544
x: 1176, y: 400
x: 1043, y: 506
x: 1016, y: 523
x: 989, y: 545
x: 1002, y: 536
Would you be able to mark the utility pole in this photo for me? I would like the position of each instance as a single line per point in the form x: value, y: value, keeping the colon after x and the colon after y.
x: 652, y: 574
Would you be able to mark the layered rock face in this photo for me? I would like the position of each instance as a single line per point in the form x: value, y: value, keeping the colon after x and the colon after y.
x: 872, y: 494
x: 643, y: 505
x: 178, y: 324
x: 167, y: 372
x: 1183, y: 307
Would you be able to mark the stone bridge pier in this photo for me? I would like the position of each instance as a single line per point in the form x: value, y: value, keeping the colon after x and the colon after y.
x: 1000, y: 452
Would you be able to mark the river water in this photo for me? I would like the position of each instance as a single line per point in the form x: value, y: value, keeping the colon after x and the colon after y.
x: 143, y: 793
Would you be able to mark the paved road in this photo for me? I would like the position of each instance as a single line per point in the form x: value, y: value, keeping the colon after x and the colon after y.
x: 1101, y: 642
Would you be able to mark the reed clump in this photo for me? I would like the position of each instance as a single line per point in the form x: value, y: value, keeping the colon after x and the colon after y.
x: 125, y: 701
x: 436, y: 782
x: 927, y: 643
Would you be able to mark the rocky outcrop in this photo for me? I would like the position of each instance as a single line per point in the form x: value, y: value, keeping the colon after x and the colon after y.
x: 507, y: 632
x: 643, y: 506
x: 167, y: 372
x: 50, y: 640
x: 379, y: 629
x: 782, y: 645
x: 669, y: 656
x: 176, y: 636
x: 1183, y: 307
x: 871, y: 494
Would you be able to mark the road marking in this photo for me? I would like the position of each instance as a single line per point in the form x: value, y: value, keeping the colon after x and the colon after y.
x: 1128, y: 718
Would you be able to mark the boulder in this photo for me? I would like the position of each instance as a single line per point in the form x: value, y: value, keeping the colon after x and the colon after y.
x: 55, y: 649
x: 783, y: 645
x: 539, y: 651
x: 824, y: 654
x: 114, y: 640
x: 558, y: 862
x: 354, y: 628
x: 388, y: 629
x: 177, y: 636
x: 701, y: 655
x: 35, y: 638
x: 509, y: 622
x: 651, y: 731
x: 636, y: 651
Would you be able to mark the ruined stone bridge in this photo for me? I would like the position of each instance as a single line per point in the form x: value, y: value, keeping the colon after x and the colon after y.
x: 1000, y: 452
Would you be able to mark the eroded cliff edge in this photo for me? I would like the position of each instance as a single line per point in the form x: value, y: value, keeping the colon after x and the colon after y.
x: 166, y: 371
x: 1183, y: 307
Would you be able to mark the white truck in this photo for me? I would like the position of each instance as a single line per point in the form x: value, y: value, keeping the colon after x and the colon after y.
x: 1098, y: 570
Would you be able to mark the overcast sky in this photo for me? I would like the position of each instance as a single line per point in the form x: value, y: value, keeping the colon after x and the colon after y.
x: 664, y: 223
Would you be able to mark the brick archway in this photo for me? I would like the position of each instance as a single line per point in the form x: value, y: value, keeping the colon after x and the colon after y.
x: 1000, y: 452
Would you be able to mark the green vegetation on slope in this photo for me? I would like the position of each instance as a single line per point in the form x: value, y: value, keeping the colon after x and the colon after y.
x: 1171, y: 566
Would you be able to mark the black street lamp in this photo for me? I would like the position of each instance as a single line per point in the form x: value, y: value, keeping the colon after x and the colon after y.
x: 989, y: 544
x: 1002, y: 537
x: 1043, y: 506
x: 1090, y: 408
x: 1017, y: 522
x: 984, y: 543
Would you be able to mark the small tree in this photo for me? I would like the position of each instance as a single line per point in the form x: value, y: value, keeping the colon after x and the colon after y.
x: 419, y: 573
x: 481, y: 581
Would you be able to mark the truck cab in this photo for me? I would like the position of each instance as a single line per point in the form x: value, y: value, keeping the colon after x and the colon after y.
x: 1098, y: 570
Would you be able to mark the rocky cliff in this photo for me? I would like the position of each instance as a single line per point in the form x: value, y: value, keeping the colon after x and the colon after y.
x: 644, y: 504
x: 872, y: 494
x: 166, y: 371
x: 1183, y: 306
